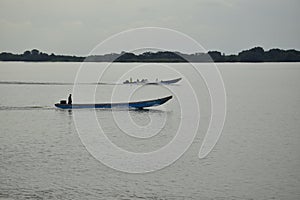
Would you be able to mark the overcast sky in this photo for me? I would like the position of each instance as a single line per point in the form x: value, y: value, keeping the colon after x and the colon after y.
x: 77, y: 26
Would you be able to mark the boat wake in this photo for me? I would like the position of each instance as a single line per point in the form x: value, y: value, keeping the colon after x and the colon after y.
x: 32, y: 83
x: 49, y: 83
x: 26, y: 108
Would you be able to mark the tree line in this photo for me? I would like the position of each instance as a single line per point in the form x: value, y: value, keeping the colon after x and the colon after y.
x: 256, y: 54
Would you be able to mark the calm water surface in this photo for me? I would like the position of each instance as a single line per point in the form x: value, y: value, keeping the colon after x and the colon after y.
x: 257, y: 156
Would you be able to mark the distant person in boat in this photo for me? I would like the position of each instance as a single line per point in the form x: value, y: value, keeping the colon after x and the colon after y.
x: 70, y: 99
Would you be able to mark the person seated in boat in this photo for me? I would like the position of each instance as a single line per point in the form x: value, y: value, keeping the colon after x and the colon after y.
x: 70, y: 99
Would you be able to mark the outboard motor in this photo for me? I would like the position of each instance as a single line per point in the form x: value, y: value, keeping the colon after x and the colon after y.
x: 63, y: 101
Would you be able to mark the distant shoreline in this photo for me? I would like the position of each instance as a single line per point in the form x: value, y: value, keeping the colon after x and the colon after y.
x: 254, y: 55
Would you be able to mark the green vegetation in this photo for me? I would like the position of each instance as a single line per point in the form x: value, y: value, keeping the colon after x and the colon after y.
x: 37, y: 56
x: 256, y: 54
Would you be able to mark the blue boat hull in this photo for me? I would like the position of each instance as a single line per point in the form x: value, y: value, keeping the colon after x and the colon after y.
x: 171, y: 81
x: 138, y: 104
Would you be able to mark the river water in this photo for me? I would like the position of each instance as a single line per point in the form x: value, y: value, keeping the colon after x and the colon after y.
x: 256, y: 157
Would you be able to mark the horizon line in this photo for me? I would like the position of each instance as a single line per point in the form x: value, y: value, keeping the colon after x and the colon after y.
x: 122, y: 52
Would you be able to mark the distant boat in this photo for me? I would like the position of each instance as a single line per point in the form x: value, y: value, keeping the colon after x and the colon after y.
x: 145, y: 81
x: 171, y: 81
x: 137, y: 104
